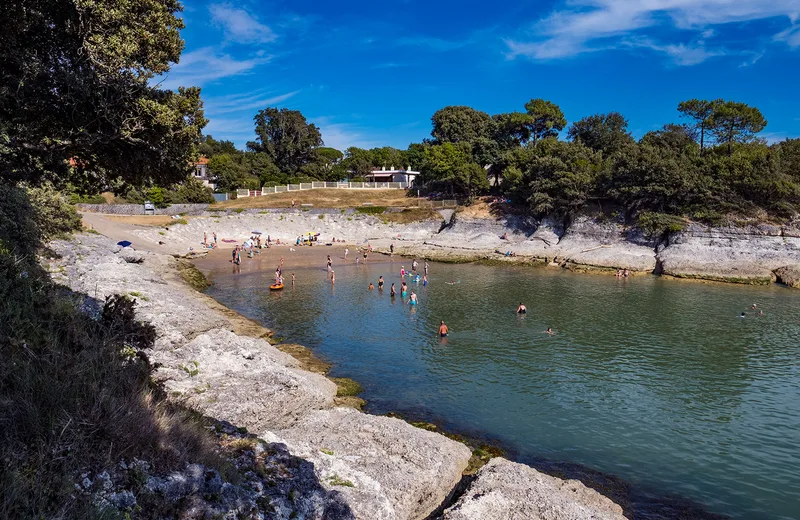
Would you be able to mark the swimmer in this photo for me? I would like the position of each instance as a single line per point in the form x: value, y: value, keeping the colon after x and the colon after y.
x: 754, y: 306
x: 521, y: 309
x: 742, y: 315
x: 761, y: 313
x: 549, y: 331
x: 451, y: 282
x: 393, y: 291
x: 371, y: 287
x: 380, y: 282
x: 443, y: 330
x: 413, y: 299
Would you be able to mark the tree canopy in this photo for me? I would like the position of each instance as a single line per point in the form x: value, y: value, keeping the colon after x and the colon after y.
x: 286, y: 137
x: 78, y: 100
x: 547, y: 119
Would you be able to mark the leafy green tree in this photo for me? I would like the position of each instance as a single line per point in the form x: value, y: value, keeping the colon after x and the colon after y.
x: 605, y: 133
x: 228, y: 173
x: 559, y: 177
x: 415, y: 155
x: 460, y: 124
x: 259, y: 165
x: 388, y: 157
x: 358, y: 161
x: 190, y: 191
x: 699, y: 111
x: 286, y: 136
x: 789, y: 157
x: 209, y: 147
x: 677, y: 138
x: 512, y: 129
x: 76, y: 84
x: 326, y: 166
x: 547, y: 119
x: 451, y: 165
x: 732, y: 122
x: 646, y: 178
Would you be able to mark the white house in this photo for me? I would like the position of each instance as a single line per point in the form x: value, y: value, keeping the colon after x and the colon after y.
x: 407, y: 176
x: 201, y: 173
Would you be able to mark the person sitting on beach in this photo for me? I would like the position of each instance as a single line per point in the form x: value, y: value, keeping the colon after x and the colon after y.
x: 522, y: 309
x: 371, y: 287
x: 392, y: 291
x: 443, y: 330
x: 413, y: 299
x: 505, y: 236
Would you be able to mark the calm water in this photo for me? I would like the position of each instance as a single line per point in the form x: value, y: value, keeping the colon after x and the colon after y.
x: 655, y: 381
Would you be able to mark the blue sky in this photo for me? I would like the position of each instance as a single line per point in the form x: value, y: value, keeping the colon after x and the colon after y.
x: 372, y: 73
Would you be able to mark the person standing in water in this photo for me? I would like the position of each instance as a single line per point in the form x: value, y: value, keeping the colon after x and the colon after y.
x: 292, y: 279
x: 393, y: 292
x: 425, y: 280
x: 345, y: 253
x: 333, y: 277
x: 380, y: 282
x: 402, y: 271
x: 413, y: 299
x: 521, y: 309
x: 414, y: 265
x: 426, y: 267
x: 403, y: 288
x: 371, y: 287
x: 443, y: 330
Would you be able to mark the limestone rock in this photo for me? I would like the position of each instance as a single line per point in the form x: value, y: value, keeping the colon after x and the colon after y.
x: 789, y: 275
x: 384, y: 468
x: 505, y: 490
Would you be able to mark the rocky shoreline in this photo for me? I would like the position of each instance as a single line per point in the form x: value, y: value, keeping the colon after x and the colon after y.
x: 749, y: 254
x: 311, y: 458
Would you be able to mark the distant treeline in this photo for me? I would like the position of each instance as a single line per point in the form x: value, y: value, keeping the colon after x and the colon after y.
x: 709, y: 164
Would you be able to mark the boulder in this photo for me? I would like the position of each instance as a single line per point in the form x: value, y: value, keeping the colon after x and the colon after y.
x: 789, y: 275
x: 384, y: 468
x: 505, y: 490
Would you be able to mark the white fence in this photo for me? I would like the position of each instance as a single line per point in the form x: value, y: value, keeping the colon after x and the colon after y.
x: 316, y: 185
x: 450, y: 203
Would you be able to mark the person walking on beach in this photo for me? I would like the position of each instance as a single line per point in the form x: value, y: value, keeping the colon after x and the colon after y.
x: 345, y: 253
x: 391, y: 248
x: 205, y: 239
x: 365, y: 256
x: 292, y: 203
x: 443, y: 330
x: 233, y: 254
x: 215, y: 239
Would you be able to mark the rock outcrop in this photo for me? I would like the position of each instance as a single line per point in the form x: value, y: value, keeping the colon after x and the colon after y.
x: 789, y: 275
x: 505, y: 490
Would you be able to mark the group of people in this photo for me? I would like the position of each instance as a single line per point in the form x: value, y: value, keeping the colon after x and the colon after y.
x: 753, y: 307
x: 623, y: 273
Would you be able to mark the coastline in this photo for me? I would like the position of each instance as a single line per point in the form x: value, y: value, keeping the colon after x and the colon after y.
x: 751, y: 254
x: 370, y: 466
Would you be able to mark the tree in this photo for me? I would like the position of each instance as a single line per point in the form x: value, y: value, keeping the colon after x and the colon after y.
x: 209, y: 147
x: 451, y: 165
x: 698, y: 110
x: 512, y: 129
x: 228, y: 173
x: 731, y: 122
x: 677, y: 138
x: 286, y: 136
x: 415, y: 155
x: 326, y: 166
x: 76, y: 85
x: 259, y: 164
x: 548, y: 119
x: 605, y: 133
x: 459, y: 124
x: 789, y: 157
x: 387, y: 157
x: 358, y: 161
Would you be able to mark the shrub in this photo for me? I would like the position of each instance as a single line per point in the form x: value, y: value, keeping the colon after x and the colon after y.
x: 660, y: 224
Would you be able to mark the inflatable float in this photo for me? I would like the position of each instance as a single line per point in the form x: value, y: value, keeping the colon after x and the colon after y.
x: 276, y: 287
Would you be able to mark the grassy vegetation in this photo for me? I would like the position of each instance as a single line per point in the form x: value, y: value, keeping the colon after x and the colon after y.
x: 192, y: 276
x: 407, y: 216
x: 371, y: 210
x: 346, y: 387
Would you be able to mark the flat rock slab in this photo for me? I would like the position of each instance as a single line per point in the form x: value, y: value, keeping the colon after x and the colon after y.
x: 384, y: 468
x: 244, y: 381
x: 789, y: 275
x: 505, y: 490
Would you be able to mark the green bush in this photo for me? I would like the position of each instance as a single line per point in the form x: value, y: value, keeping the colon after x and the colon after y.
x: 371, y: 210
x: 30, y: 216
x: 660, y: 224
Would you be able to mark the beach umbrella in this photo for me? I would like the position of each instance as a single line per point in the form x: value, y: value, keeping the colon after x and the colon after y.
x: 123, y: 243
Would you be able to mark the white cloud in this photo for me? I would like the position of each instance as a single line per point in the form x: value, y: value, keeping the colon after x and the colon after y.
x: 206, y: 65
x: 790, y: 36
x: 239, y: 25
x: 248, y: 101
x: 680, y: 53
x: 589, y: 25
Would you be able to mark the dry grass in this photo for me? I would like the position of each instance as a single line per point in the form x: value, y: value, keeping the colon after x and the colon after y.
x: 410, y: 215
x: 324, y: 198
x: 143, y: 220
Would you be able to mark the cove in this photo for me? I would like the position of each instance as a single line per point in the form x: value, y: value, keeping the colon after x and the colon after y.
x: 656, y: 381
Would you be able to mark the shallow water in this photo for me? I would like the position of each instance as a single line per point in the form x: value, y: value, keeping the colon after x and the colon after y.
x: 656, y: 381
